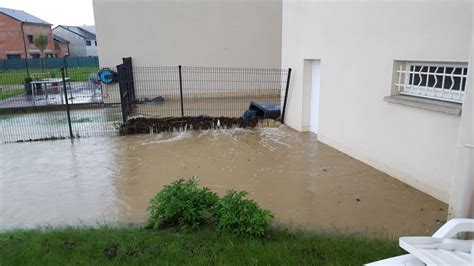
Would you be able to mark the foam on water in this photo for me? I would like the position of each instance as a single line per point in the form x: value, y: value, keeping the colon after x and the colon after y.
x: 272, y: 136
x: 169, y: 137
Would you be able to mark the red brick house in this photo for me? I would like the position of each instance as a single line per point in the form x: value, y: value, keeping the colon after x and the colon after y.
x: 17, y: 30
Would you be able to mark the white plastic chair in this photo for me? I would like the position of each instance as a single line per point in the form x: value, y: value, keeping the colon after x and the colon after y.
x: 440, y: 249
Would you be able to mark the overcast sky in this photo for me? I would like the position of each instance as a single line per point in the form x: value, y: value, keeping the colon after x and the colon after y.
x: 66, y: 12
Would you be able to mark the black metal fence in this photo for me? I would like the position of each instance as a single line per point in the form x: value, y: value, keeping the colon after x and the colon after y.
x: 205, y: 91
x: 34, y: 106
x: 49, y: 105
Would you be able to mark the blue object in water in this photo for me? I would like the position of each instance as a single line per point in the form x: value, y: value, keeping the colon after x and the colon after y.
x: 249, y: 114
x: 158, y: 99
x: 265, y: 110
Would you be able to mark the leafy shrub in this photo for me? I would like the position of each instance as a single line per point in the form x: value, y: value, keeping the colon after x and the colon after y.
x: 237, y: 216
x: 182, y: 204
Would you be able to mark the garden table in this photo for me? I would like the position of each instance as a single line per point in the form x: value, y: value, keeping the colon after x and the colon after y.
x: 45, y: 82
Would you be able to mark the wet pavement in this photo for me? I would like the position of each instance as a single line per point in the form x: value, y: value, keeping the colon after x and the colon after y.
x: 305, y: 183
x: 78, y: 92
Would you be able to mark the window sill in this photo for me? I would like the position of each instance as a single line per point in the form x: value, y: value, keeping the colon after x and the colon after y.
x: 426, y: 104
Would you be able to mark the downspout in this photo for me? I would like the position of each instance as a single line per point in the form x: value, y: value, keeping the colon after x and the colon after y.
x: 24, y: 46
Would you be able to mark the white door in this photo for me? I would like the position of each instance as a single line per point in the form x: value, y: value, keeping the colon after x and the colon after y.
x: 315, y: 86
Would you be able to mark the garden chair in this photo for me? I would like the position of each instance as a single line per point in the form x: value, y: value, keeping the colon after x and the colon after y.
x: 443, y: 248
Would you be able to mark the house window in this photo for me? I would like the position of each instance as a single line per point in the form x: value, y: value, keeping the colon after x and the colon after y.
x: 13, y: 56
x: 440, y: 81
x: 35, y: 55
x: 30, y: 38
x: 88, y: 43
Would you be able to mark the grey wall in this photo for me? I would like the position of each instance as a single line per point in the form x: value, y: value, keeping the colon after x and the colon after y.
x: 235, y: 33
x: 77, y: 45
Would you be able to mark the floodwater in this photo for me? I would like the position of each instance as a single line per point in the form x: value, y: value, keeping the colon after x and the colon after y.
x: 305, y: 183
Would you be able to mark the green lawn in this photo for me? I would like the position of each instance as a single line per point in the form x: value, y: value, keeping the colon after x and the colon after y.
x: 5, y: 94
x: 18, y: 76
x: 136, y: 246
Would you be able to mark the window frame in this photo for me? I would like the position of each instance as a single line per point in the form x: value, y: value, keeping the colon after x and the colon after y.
x: 13, y: 56
x: 406, y: 80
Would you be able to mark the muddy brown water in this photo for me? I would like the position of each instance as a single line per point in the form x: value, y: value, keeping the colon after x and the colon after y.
x: 306, y: 184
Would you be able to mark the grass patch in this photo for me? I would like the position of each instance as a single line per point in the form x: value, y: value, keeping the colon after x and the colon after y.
x: 137, y: 246
x: 18, y: 76
x: 5, y: 94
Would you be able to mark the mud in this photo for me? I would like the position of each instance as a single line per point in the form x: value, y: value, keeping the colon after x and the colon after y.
x: 305, y: 183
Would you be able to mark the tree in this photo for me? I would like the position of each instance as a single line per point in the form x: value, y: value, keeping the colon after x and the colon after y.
x: 41, y: 42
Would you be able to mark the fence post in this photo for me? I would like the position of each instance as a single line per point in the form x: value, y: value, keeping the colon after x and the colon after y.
x: 181, y: 90
x: 124, y: 96
x: 65, y: 64
x: 67, y: 103
x: 286, y: 96
x: 27, y: 68
x: 127, y: 63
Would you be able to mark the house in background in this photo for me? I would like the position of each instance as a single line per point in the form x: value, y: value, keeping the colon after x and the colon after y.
x: 89, y: 28
x: 82, y: 40
x: 17, y: 30
x: 61, y: 46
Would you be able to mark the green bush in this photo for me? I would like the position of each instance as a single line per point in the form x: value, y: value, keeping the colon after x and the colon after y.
x: 182, y: 204
x: 237, y: 216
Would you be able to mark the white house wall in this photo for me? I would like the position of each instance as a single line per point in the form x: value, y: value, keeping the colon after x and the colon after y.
x: 357, y: 43
x: 231, y: 33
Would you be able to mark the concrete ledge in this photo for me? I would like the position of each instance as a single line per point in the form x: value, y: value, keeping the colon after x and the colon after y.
x: 426, y: 104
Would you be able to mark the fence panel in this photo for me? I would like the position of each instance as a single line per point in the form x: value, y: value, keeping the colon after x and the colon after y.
x: 206, y: 91
x: 229, y: 91
x: 157, y: 91
x: 48, y: 63
x: 37, y: 110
